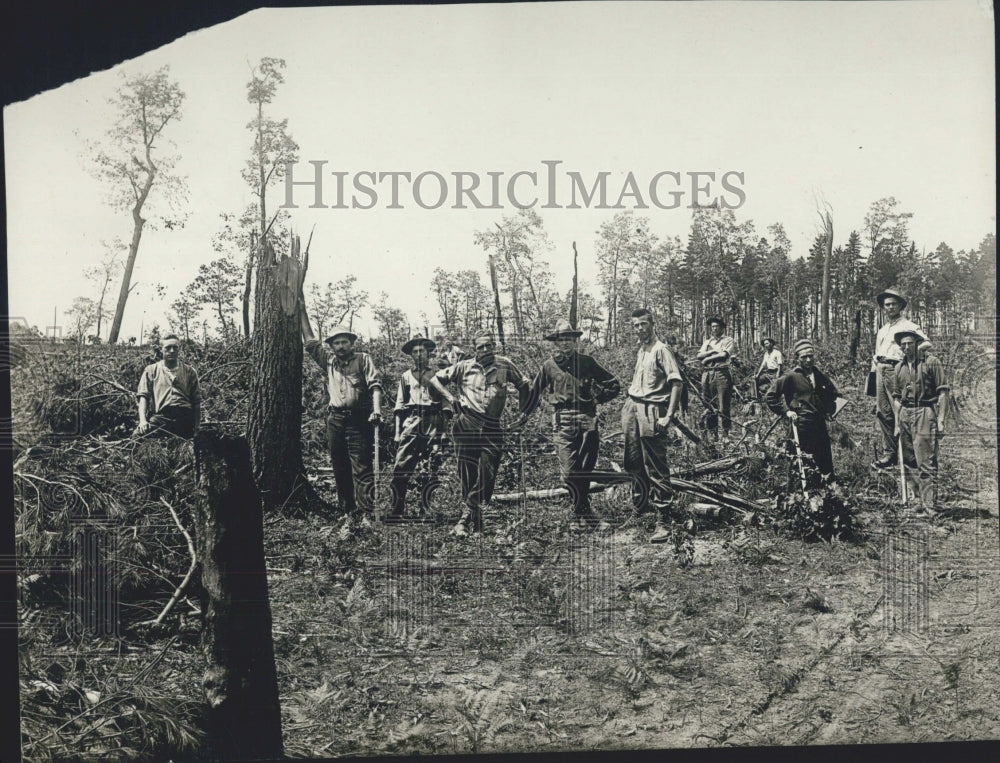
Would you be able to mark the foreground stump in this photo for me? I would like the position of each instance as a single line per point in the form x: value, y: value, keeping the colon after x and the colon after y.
x: 240, y: 681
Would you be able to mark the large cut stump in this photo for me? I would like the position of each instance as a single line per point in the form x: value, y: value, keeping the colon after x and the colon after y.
x: 240, y: 681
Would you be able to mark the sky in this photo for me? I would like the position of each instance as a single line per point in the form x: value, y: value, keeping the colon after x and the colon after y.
x: 845, y: 102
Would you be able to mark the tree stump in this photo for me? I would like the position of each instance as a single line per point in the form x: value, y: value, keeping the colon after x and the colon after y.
x: 243, y: 719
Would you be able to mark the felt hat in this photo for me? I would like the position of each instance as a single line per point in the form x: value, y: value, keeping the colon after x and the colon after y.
x: 925, y: 345
x: 563, y: 329
x: 769, y: 339
x: 430, y: 344
x: 891, y: 292
x: 716, y: 319
x: 899, y: 335
x: 482, y: 335
x: 340, y: 331
x: 803, y: 345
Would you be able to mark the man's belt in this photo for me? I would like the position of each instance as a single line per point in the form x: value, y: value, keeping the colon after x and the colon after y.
x: 881, y: 359
x: 421, y: 409
x: 350, y: 408
x: 921, y: 404
x: 580, y: 407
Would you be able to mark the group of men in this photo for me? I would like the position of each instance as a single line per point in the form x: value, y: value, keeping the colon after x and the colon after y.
x: 468, y: 396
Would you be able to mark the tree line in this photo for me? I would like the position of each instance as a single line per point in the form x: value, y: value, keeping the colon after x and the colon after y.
x: 726, y: 267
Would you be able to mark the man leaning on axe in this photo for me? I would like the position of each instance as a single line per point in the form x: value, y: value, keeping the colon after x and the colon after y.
x: 806, y: 396
x: 355, y: 393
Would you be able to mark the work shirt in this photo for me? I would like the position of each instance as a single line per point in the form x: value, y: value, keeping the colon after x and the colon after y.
x: 573, y: 381
x: 166, y: 388
x: 885, y: 340
x: 811, y: 395
x: 773, y: 360
x: 483, y: 390
x: 349, y: 382
x: 721, y: 344
x: 655, y: 371
x: 415, y: 390
x: 920, y: 383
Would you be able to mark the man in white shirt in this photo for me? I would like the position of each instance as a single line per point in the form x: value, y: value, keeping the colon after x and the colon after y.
x: 886, y: 357
x: 771, y: 366
x: 717, y: 381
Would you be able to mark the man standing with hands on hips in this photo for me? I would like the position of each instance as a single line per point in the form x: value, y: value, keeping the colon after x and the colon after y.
x: 482, y: 391
x: 653, y: 398
x: 884, y: 361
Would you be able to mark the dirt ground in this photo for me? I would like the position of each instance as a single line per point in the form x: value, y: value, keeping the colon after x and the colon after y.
x: 406, y: 640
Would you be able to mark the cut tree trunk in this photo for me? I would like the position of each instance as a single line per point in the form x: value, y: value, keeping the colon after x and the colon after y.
x: 243, y: 719
x: 274, y: 421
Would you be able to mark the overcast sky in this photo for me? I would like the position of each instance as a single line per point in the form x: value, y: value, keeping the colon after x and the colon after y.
x: 849, y: 101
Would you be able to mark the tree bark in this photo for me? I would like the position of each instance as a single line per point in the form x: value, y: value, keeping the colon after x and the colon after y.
x: 274, y: 422
x: 827, y: 258
x: 248, y: 281
x: 240, y: 681
x: 133, y: 249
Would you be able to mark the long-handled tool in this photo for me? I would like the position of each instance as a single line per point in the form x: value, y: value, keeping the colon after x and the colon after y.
x: 902, y: 469
x: 377, y: 460
x: 798, y: 455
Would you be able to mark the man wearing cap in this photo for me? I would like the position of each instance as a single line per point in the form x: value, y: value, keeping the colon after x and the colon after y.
x: 575, y: 384
x: 482, y: 383
x: 887, y: 356
x: 355, y: 391
x: 419, y: 422
x: 920, y: 394
x: 771, y: 366
x: 807, y: 396
x: 169, y: 395
x: 717, y: 381
x: 653, y: 398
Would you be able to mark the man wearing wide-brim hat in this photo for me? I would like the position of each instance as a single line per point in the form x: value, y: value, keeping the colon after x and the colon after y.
x: 717, y: 380
x: 807, y: 396
x: 355, y: 389
x: 771, y: 366
x: 574, y: 385
x: 419, y: 424
x: 482, y: 384
x: 920, y: 394
x: 886, y: 357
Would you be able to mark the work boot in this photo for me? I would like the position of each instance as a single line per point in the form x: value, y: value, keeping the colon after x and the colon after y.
x: 466, y: 524
x: 661, y: 534
x: 884, y: 463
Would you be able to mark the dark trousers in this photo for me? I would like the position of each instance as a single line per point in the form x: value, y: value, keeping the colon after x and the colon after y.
x: 814, y: 440
x: 717, y: 388
x: 888, y: 444
x: 918, y: 434
x: 646, y: 457
x: 419, y: 436
x: 173, y: 420
x: 349, y: 438
x: 577, y: 441
x: 478, y: 448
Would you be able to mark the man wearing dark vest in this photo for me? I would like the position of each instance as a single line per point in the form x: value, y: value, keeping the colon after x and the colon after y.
x: 575, y: 384
x: 419, y: 422
x: 807, y: 396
